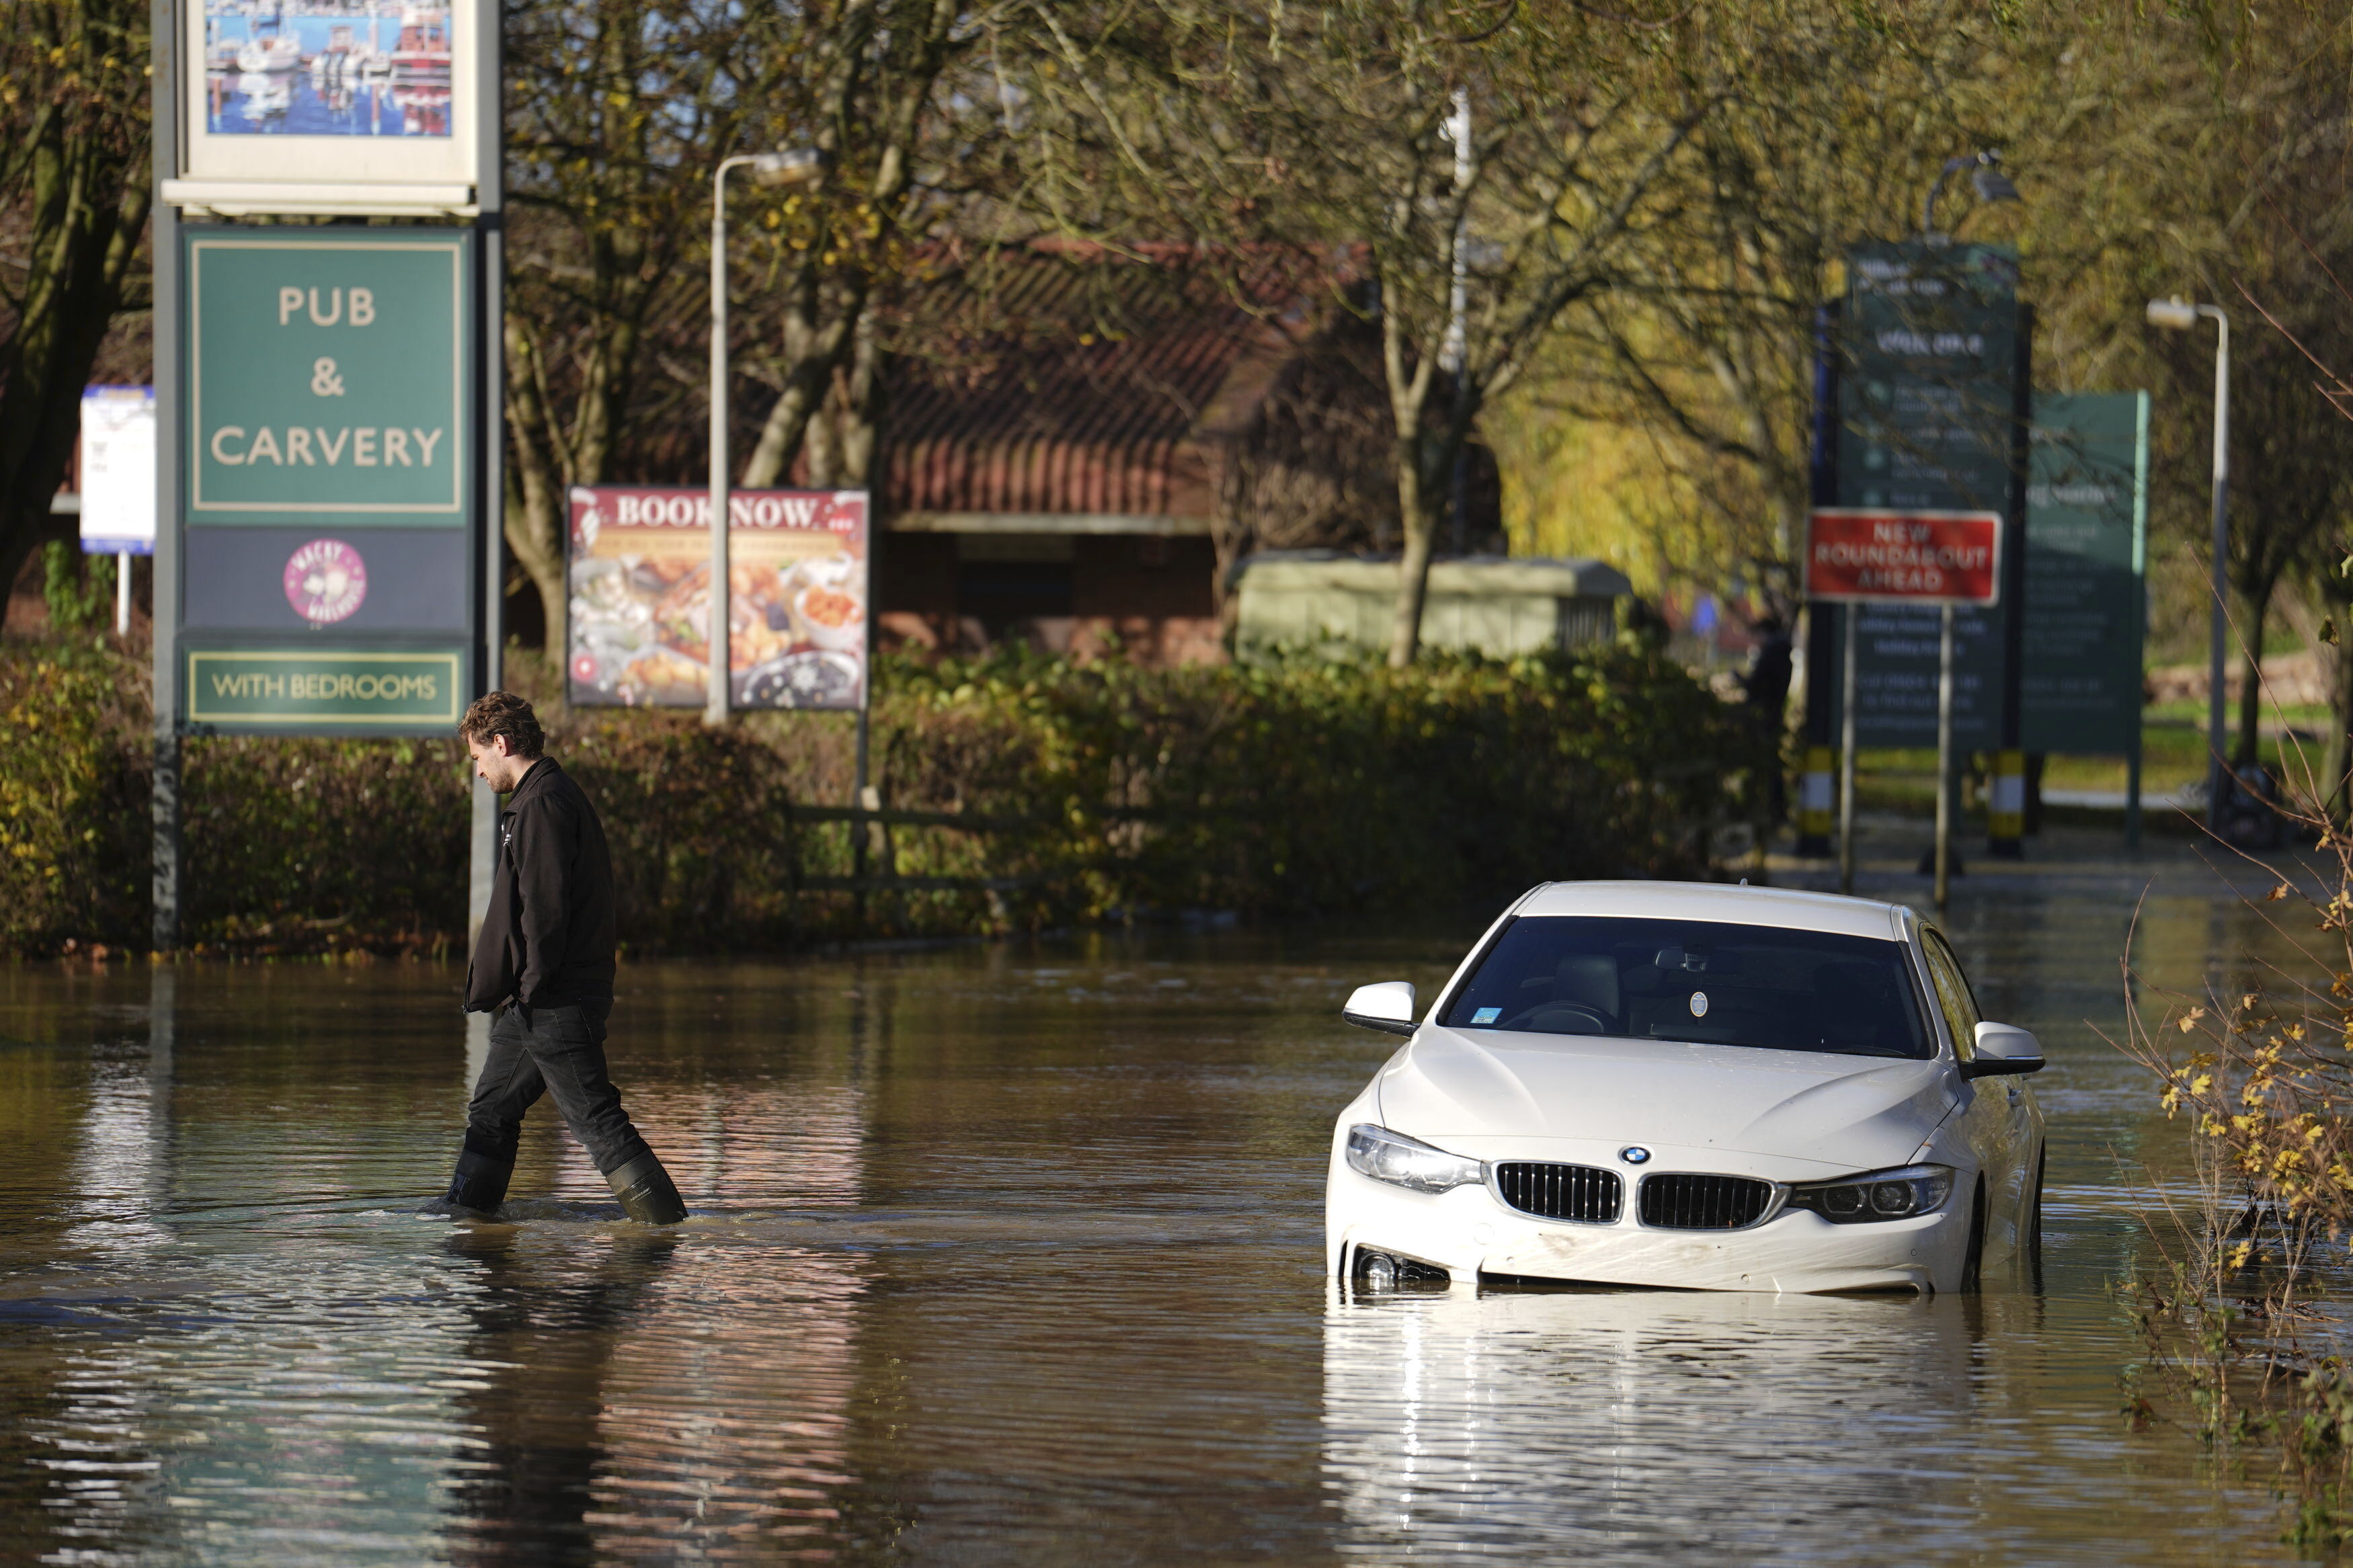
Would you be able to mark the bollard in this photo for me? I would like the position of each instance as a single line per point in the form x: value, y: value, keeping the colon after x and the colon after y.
x: 2005, y: 807
x: 1816, y: 801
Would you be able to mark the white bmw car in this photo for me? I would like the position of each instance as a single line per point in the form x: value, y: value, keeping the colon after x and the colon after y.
x: 1689, y: 1085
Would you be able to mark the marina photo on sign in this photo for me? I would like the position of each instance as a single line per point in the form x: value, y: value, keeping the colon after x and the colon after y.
x: 369, y: 68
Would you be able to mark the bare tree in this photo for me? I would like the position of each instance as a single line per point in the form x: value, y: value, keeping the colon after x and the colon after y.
x: 1332, y: 129
x: 881, y: 116
x: 75, y: 187
x: 1706, y: 343
x: 616, y: 113
x: 2263, y: 223
x: 618, y: 116
x: 2291, y: 465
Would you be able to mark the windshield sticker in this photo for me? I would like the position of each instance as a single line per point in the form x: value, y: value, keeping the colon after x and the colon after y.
x: 1486, y: 1014
x: 1699, y: 1004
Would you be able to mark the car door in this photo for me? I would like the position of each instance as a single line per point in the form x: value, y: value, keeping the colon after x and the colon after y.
x: 1991, y: 1106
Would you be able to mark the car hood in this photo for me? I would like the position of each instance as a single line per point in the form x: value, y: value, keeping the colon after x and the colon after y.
x: 1861, y: 1113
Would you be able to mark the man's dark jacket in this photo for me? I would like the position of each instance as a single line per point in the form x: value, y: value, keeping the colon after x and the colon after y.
x: 548, y: 938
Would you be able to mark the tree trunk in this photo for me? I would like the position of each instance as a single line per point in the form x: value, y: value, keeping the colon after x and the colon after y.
x: 860, y: 411
x: 839, y: 444
x: 87, y: 207
x: 534, y: 521
x: 1417, y: 494
x: 812, y: 349
x: 1418, y: 509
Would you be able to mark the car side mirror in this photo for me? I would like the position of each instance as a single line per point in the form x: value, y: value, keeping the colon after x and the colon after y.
x: 2003, y: 1048
x: 1387, y: 1005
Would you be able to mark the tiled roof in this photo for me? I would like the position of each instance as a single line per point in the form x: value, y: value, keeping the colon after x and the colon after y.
x: 1067, y: 378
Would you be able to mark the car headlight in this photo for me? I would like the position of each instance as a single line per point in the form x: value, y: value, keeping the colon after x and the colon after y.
x: 1393, y: 1157
x: 1876, y: 1194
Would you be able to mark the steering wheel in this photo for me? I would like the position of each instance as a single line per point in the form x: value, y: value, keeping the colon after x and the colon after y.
x: 1552, y: 1013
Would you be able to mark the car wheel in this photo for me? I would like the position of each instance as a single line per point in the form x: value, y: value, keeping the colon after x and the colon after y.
x: 1974, y: 1258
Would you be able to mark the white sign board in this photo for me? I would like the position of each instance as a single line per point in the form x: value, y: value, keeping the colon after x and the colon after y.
x: 336, y: 105
x: 118, y: 470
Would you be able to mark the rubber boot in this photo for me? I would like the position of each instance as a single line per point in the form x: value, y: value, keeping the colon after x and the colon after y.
x: 481, y: 1182
x: 648, y: 1195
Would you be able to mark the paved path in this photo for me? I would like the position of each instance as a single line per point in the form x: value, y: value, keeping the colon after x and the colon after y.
x: 1888, y: 847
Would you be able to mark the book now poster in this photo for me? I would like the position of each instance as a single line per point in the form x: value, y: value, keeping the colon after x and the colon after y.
x: 639, y: 578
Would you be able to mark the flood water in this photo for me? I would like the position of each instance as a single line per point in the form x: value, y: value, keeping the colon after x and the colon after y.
x: 1002, y: 1255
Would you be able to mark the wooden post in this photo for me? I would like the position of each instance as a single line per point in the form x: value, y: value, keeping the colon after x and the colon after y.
x: 1945, y: 759
x: 1846, y: 750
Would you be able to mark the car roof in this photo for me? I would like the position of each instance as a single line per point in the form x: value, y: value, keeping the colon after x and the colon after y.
x: 1783, y: 907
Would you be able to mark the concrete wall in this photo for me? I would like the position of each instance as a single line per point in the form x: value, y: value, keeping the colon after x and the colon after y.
x: 1499, y: 608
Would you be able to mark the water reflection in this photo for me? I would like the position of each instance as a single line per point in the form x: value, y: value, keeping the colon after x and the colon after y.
x: 666, y: 1396
x: 116, y: 1177
x: 1000, y: 1255
x: 643, y: 1398
x: 545, y: 1330
x: 1611, y: 1425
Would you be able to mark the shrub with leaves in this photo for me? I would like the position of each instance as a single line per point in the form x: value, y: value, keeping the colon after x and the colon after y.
x: 2240, y: 1308
x: 77, y: 589
x: 73, y: 799
x: 1057, y: 792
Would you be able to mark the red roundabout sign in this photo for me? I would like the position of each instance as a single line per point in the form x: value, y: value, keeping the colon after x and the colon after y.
x: 1871, y: 555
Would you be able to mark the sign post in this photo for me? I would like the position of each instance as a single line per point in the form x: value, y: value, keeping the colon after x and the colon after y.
x: 1870, y: 555
x: 327, y: 406
x: 1846, y: 753
x: 1921, y: 372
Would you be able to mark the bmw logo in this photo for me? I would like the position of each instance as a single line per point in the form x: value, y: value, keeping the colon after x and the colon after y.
x: 1634, y: 1154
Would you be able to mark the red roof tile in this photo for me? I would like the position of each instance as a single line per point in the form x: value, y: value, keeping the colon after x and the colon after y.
x: 1064, y: 378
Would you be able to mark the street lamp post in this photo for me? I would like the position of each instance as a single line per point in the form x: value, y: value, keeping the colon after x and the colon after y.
x: 800, y: 166
x: 1453, y: 351
x: 2180, y: 315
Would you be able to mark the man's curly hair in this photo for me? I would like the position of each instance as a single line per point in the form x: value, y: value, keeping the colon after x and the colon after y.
x: 500, y: 713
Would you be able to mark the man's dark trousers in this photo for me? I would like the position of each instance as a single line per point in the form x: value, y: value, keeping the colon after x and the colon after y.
x: 555, y: 1050
x: 545, y: 962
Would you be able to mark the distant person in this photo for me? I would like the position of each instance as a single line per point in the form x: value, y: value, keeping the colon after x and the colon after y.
x: 543, y: 964
x: 1767, y: 683
x: 1766, y: 679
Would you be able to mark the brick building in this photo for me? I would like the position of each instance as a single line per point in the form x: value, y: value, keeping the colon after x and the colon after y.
x: 1079, y: 443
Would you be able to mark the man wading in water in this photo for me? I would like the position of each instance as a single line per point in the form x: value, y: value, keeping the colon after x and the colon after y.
x: 544, y: 964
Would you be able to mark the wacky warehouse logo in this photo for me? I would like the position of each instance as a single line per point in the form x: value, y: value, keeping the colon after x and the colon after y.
x: 326, y: 581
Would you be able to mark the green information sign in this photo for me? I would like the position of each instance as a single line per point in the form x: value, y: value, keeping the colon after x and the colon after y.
x: 2087, y: 563
x: 328, y: 376
x: 300, y: 692
x: 1929, y: 350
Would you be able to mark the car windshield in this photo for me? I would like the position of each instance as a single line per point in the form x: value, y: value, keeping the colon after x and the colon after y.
x: 1699, y: 981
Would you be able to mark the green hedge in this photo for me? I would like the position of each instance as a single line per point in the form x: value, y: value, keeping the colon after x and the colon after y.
x: 74, y: 817
x: 1281, y: 791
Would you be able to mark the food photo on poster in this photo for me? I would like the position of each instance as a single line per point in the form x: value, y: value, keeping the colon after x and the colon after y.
x: 368, y: 68
x: 640, y: 597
